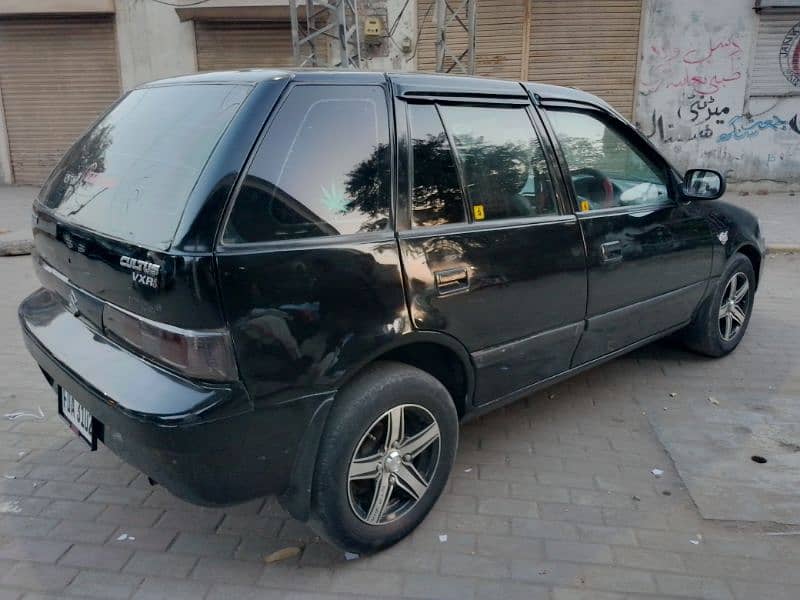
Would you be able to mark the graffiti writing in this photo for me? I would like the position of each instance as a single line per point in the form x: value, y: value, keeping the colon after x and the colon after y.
x: 700, y: 111
x: 703, y: 70
x: 661, y: 131
x: 741, y: 129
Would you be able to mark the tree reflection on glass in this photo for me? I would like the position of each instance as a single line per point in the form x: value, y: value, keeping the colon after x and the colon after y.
x: 436, y: 192
x: 367, y: 188
x: 81, y: 165
x: 505, y: 173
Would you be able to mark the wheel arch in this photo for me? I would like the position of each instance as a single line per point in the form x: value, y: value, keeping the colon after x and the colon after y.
x: 753, y: 255
x: 438, y: 354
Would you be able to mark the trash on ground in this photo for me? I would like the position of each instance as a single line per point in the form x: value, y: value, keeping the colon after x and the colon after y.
x: 350, y: 556
x: 673, y: 394
x: 713, y: 400
x: 125, y: 537
x: 637, y: 499
x: 657, y: 473
x: 11, y: 506
x: 23, y: 414
x: 9, y: 476
x: 468, y: 469
x: 283, y: 554
x: 443, y: 538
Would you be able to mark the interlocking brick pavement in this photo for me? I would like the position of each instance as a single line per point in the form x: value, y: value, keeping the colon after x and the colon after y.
x: 551, y: 498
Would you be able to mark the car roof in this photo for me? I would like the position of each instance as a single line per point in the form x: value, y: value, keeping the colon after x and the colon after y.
x: 435, y: 83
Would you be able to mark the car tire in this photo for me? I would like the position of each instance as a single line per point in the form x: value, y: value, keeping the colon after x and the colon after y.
x: 369, y: 491
x: 717, y: 328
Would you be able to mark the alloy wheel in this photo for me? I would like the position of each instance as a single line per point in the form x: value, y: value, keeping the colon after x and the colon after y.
x: 393, y: 464
x: 733, y: 306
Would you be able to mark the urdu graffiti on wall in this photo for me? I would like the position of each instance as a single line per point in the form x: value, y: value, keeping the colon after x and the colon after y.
x: 696, y: 116
x: 703, y: 70
x: 700, y: 110
x: 743, y: 128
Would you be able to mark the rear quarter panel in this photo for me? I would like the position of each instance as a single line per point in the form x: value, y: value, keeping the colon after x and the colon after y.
x: 303, y: 318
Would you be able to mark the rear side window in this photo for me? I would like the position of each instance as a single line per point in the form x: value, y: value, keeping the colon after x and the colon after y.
x: 505, y: 171
x: 130, y: 176
x: 322, y: 169
x: 436, y: 197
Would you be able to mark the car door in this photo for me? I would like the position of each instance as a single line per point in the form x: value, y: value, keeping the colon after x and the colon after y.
x: 491, y: 255
x: 649, y: 256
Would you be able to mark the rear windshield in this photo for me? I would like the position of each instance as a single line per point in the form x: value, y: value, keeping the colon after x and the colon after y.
x: 130, y: 176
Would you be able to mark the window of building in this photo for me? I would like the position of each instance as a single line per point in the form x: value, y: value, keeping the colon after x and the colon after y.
x: 504, y: 167
x: 607, y: 170
x: 322, y: 169
x: 436, y: 197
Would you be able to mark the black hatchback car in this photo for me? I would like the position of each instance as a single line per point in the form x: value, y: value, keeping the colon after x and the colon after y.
x: 298, y: 283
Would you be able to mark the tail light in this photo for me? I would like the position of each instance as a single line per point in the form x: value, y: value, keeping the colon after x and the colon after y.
x: 206, y: 354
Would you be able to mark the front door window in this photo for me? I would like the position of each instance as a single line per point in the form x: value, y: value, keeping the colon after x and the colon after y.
x: 606, y: 169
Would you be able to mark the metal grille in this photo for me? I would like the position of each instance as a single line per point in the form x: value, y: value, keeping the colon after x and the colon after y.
x: 324, y: 24
x: 499, y: 33
x: 588, y: 44
x: 225, y: 45
x: 776, y: 65
x: 57, y: 75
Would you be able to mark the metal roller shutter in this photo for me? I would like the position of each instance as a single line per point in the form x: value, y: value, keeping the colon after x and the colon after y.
x: 776, y: 64
x: 235, y: 45
x: 500, y: 28
x: 57, y: 75
x: 589, y: 44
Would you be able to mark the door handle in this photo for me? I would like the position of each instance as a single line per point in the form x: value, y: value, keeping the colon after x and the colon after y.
x: 611, y: 252
x: 450, y: 281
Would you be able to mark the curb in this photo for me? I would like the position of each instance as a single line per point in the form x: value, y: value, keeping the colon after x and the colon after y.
x: 782, y: 248
x: 15, y: 247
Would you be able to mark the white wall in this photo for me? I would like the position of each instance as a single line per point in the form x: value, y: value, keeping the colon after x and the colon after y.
x: 692, y: 98
x: 393, y: 55
x: 152, y: 42
x: 5, y: 151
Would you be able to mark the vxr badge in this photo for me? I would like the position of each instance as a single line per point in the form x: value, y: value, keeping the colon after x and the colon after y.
x: 143, y: 272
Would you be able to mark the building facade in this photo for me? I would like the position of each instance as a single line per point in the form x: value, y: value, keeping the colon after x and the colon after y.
x: 719, y: 86
x: 714, y: 83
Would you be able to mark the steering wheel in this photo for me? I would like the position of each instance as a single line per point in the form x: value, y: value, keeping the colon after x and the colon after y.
x: 603, y: 183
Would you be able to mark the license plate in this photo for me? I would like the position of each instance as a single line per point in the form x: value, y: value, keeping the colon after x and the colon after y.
x: 79, y: 418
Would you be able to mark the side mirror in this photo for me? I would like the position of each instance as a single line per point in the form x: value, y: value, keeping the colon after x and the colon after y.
x: 703, y: 184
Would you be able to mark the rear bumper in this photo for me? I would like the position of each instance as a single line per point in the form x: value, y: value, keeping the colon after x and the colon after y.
x: 205, y: 443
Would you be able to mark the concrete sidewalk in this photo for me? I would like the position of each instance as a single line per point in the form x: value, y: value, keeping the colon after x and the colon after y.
x: 15, y: 218
x: 779, y: 215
